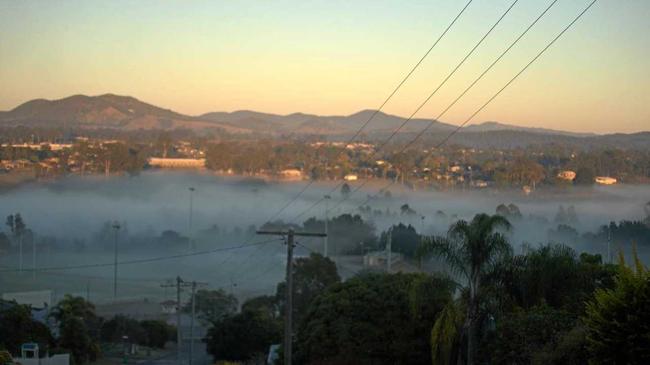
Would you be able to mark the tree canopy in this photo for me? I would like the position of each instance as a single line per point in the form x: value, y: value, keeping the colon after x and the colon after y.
x: 618, y: 319
x: 373, y: 319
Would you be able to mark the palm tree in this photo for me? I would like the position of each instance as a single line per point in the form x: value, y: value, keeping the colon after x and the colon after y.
x: 471, y: 249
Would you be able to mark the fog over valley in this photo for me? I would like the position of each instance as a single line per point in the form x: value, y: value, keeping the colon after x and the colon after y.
x: 71, y: 220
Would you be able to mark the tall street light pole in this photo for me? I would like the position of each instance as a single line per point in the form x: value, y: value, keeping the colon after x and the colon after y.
x: 116, y: 228
x: 191, y: 189
x: 20, y: 252
x: 421, y: 239
x: 325, y: 239
x: 33, y: 258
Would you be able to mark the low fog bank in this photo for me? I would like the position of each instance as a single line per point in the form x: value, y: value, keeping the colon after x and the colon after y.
x: 155, y: 201
x: 71, y: 219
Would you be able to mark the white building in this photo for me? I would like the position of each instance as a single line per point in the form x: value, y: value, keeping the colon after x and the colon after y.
x: 291, y: 174
x: 177, y: 162
x: 29, y: 356
x: 605, y: 180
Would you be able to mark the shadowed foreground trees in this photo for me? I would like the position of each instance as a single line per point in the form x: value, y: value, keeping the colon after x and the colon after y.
x: 618, y: 319
x: 311, y: 275
x: 373, y: 319
x: 152, y: 333
x: 536, y: 300
x: 78, y: 328
x: 246, y: 335
x: 212, y: 305
x: 243, y: 336
x: 17, y: 327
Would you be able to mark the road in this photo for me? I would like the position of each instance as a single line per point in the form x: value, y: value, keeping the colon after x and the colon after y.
x: 201, y: 356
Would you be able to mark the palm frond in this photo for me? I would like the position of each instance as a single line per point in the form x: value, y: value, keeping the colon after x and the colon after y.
x: 446, y: 249
x: 445, y: 334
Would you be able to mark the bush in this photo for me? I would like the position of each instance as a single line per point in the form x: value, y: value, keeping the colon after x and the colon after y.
x: 618, y: 319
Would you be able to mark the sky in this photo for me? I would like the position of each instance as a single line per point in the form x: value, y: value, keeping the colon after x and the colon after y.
x: 335, y: 57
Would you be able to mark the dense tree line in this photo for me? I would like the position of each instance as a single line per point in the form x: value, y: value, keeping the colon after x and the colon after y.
x: 547, y: 305
x: 79, y: 330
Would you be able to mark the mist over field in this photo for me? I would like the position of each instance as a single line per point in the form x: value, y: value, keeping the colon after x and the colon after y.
x: 76, y: 207
x: 72, y: 212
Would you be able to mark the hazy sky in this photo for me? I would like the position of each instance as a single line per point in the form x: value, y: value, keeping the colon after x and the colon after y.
x: 333, y: 57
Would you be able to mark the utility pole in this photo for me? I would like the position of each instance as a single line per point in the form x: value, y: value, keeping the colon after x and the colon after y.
x: 179, y: 281
x: 609, y: 243
x: 116, y: 227
x: 179, y: 284
x: 192, y: 323
x: 191, y: 189
x: 194, y: 284
x: 33, y: 258
x: 389, y: 250
x: 327, y: 208
x: 288, y: 316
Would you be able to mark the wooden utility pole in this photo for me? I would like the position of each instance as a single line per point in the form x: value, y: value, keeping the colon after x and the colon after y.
x: 194, y: 284
x: 179, y: 284
x: 288, y: 316
x: 179, y: 281
x: 192, y: 323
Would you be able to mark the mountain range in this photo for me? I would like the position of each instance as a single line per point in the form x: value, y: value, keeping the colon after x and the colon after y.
x: 128, y: 113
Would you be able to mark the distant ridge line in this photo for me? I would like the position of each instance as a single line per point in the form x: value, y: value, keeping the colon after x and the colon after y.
x: 128, y: 113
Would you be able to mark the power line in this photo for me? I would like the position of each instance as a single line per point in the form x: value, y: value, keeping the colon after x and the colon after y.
x: 491, y: 98
x: 152, y: 259
x: 372, y: 116
x: 399, y: 85
x: 126, y: 280
x: 433, y: 93
x: 244, y: 268
x: 467, y: 89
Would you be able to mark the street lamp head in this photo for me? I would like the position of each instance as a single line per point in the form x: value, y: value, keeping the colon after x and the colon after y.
x: 191, y: 189
x: 116, y: 226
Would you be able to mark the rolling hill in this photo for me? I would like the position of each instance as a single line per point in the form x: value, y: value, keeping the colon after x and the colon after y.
x: 128, y: 113
x: 103, y: 111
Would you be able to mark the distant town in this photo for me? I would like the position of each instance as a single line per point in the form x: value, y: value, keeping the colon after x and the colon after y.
x: 450, y: 167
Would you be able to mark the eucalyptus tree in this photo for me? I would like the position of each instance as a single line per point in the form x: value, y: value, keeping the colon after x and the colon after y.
x: 471, y: 249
